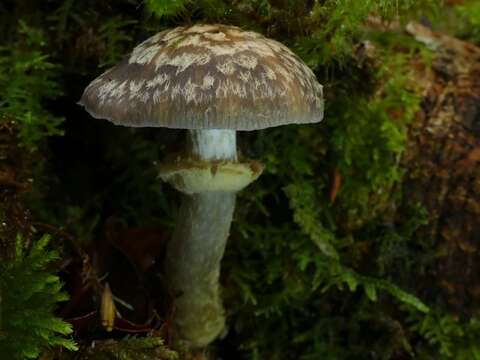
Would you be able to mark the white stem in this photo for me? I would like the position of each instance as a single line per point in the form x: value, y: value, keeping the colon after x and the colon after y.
x: 214, y: 144
x: 192, y: 264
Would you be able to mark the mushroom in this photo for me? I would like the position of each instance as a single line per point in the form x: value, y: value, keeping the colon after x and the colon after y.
x: 212, y: 80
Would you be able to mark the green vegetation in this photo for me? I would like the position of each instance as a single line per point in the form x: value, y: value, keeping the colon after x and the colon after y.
x: 447, y: 336
x: 324, y: 254
x: 30, y: 293
x: 467, y: 15
x: 26, y: 81
x: 150, y: 348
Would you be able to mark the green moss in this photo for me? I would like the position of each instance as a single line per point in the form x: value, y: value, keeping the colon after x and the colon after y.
x: 129, y: 348
x: 29, y: 294
x: 324, y: 250
x: 26, y: 81
x: 465, y: 20
x: 165, y: 8
x: 447, y: 336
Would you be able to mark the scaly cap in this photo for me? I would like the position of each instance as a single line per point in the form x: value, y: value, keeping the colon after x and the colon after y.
x: 207, y: 77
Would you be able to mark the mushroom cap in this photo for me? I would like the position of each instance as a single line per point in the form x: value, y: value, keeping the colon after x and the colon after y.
x: 207, y: 77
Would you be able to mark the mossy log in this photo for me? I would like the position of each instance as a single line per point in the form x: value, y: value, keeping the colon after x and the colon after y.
x: 442, y: 167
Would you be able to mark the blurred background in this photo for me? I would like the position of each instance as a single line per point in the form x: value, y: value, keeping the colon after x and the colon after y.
x: 359, y: 241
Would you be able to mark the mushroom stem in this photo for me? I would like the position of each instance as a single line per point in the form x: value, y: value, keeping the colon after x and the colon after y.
x: 213, y: 144
x: 196, y: 249
x: 193, y: 265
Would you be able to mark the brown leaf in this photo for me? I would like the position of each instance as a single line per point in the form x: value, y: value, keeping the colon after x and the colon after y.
x: 335, y: 185
x: 130, y: 327
x: 84, y: 323
x: 140, y: 245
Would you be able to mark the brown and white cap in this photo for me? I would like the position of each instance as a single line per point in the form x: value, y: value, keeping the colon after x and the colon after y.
x: 207, y: 77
